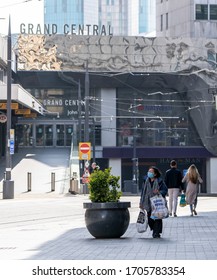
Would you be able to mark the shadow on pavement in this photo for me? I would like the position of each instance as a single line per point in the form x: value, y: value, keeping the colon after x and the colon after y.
x: 187, y: 238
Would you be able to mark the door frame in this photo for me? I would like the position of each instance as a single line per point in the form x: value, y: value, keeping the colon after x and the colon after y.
x: 54, y: 124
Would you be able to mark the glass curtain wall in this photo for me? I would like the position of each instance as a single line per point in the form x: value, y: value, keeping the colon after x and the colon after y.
x: 63, y: 12
x: 154, y: 120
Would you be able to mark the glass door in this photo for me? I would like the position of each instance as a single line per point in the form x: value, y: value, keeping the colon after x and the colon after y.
x: 69, y: 134
x: 44, y: 135
x: 48, y: 135
x: 40, y: 135
x: 24, y: 135
x: 60, y: 132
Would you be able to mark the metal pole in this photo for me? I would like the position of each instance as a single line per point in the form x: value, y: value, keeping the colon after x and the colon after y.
x: 135, y: 160
x: 79, y: 111
x: 134, y: 143
x: 52, y: 181
x: 86, y: 124
x: 8, y: 184
x: 29, y: 181
x: 79, y: 126
x: 94, y: 141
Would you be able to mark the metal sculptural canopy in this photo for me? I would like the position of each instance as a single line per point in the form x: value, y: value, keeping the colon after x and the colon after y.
x: 185, y: 65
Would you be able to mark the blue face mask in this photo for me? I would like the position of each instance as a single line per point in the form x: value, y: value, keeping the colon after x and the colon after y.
x: 150, y: 175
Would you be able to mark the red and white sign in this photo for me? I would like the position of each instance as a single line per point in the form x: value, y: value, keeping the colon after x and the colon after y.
x: 3, y: 118
x: 86, y: 177
x: 84, y: 151
x: 85, y: 148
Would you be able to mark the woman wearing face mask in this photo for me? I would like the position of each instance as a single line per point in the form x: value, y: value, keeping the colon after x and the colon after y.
x: 153, y: 185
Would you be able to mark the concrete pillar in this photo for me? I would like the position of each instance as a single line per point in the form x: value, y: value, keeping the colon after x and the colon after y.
x: 212, y: 176
x: 108, y: 109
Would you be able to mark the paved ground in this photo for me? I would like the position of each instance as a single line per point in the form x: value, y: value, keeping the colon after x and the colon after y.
x: 44, y: 225
x: 53, y: 228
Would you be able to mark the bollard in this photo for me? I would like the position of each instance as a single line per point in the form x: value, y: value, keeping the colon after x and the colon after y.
x: 52, y: 181
x: 29, y: 181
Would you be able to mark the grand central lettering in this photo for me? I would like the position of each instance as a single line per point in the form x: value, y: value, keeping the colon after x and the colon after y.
x: 61, y: 102
x: 67, y: 29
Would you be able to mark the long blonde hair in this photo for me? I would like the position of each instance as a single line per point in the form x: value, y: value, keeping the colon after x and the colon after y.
x: 193, y: 174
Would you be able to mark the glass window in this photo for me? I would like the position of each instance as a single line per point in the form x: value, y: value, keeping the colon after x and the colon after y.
x: 60, y: 132
x: 39, y: 135
x: 1, y: 75
x: 167, y: 21
x: 201, y: 12
x: 55, y: 6
x: 69, y: 134
x: 48, y: 135
x: 153, y: 121
x: 24, y: 135
x: 95, y: 136
x: 161, y: 23
x: 64, y: 6
x: 213, y: 12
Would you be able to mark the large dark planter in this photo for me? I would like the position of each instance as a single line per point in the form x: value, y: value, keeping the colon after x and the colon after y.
x: 107, y: 220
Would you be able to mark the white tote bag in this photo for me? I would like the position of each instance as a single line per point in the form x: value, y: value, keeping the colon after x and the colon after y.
x: 159, y: 208
x: 142, y: 221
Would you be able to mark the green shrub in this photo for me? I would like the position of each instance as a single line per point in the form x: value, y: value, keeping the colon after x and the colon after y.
x: 104, y: 186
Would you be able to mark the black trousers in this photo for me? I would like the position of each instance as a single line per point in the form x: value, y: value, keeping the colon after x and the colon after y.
x: 155, y: 225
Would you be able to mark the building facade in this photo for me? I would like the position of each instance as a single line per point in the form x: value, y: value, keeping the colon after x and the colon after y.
x: 22, y: 101
x: 148, y: 100
x: 186, y: 18
x: 118, y: 17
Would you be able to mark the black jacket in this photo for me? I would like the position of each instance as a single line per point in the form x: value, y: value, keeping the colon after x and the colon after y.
x: 173, y: 179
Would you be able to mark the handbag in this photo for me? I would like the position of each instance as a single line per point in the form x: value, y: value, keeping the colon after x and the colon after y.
x: 159, y: 209
x: 182, y: 202
x: 142, y: 221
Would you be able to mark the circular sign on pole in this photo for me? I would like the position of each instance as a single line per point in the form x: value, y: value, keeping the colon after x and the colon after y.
x: 85, y: 148
x: 3, y: 118
x: 84, y: 151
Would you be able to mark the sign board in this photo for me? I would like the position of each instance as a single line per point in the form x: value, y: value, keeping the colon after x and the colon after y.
x: 3, y: 106
x: 32, y: 115
x: 22, y: 111
x: 86, y: 177
x: 11, y: 143
x: 11, y: 147
x: 14, y: 106
x: 12, y: 134
x: 3, y: 118
x: 84, y: 151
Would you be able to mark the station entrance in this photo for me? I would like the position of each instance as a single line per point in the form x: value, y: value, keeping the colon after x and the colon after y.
x: 46, y: 134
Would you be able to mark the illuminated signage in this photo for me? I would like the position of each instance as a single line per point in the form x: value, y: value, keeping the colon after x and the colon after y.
x: 14, y: 106
x: 22, y: 111
x: 61, y: 102
x: 67, y: 29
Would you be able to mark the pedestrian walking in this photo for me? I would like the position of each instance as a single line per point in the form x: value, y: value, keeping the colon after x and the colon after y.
x: 173, y: 180
x: 153, y: 185
x: 93, y: 167
x: 193, y: 179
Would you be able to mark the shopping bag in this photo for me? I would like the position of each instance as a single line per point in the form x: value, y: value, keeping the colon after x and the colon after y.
x: 142, y: 221
x: 159, y: 208
x: 182, y: 201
